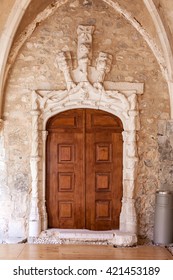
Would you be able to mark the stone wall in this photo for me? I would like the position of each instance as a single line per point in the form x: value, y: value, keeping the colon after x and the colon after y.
x: 165, y: 141
x: 35, y: 68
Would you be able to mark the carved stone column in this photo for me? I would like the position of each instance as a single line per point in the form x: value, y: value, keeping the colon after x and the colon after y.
x: 128, y: 219
x: 43, y: 202
x: 34, y: 217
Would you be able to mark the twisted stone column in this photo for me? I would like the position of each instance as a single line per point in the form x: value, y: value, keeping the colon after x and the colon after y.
x: 34, y: 217
x: 128, y: 219
x: 43, y: 202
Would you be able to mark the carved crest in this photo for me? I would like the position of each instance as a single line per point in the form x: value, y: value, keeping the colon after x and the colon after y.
x: 86, y: 84
x: 84, y: 72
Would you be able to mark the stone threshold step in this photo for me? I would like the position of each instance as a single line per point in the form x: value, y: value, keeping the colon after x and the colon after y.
x: 114, y: 237
x: 85, y: 234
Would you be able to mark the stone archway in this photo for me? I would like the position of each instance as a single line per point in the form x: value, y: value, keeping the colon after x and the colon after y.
x: 45, y: 105
x: 86, y: 88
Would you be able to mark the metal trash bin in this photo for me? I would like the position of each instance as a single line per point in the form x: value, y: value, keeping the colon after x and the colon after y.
x: 163, y: 219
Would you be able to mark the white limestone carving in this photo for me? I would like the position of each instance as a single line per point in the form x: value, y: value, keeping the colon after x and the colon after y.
x: 84, y: 74
x: 84, y: 50
x: 87, y: 88
x: 63, y: 63
x: 103, y: 66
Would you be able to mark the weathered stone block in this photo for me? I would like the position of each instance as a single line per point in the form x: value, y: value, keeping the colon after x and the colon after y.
x: 169, y: 127
x: 166, y: 151
x: 124, y: 239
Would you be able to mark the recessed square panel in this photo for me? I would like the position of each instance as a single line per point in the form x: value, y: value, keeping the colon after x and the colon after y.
x: 103, y: 152
x: 66, y: 153
x: 103, y: 210
x: 102, y: 181
x: 103, y: 121
x: 65, y: 210
x: 65, y: 182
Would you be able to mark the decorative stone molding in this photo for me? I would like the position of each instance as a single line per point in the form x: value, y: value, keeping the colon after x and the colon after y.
x: 86, y: 88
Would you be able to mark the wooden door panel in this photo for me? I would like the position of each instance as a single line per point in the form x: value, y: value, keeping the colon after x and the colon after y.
x: 65, y: 153
x: 66, y: 181
x: 97, y: 119
x: 65, y: 171
x: 103, y: 209
x: 65, y: 209
x: 103, y: 171
x: 103, y: 152
x: 103, y: 181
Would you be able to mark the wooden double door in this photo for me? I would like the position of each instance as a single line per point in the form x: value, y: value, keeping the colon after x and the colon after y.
x: 84, y: 170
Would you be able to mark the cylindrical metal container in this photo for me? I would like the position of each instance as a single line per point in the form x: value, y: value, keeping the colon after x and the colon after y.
x: 163, y: 220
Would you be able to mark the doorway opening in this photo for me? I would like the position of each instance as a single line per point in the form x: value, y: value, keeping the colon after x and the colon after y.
x: 84, y: 170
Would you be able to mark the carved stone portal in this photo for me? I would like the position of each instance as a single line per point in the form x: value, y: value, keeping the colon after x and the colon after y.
x: 86, y: 87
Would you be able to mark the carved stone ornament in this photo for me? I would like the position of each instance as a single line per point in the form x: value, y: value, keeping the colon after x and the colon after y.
x: 86, y: 87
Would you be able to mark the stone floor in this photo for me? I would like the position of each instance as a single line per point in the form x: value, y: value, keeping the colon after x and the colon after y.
x: 81, y: 252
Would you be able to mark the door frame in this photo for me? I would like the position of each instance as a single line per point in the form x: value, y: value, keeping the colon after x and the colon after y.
x: 45, y: 108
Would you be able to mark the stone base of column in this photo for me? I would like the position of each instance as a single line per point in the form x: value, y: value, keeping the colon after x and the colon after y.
x: 128, y: 220
x: 34, y: 228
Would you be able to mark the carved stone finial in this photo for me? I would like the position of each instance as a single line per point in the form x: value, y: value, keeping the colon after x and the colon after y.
x: 103, y: 62
x: 85, y: 33
x: 103, y: 65
x: 84, y: 42
x: 63, y: 59
x: 84, y: 50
